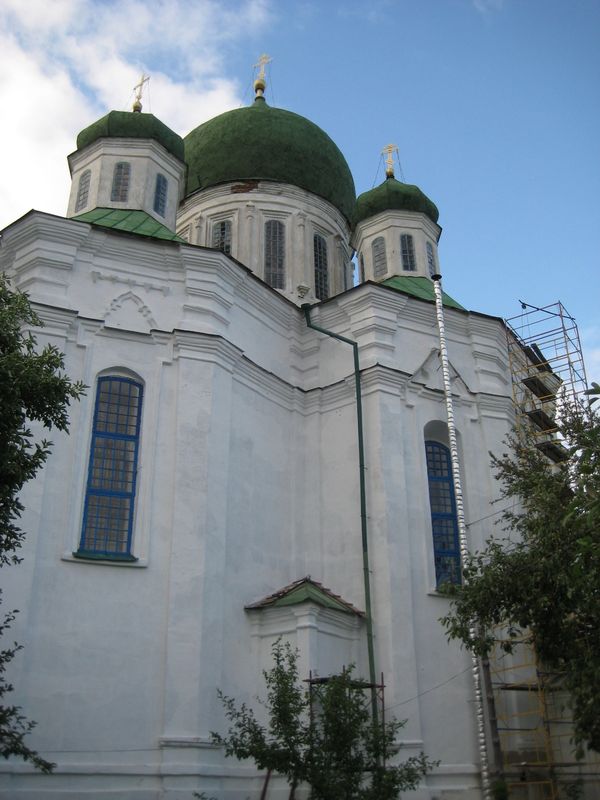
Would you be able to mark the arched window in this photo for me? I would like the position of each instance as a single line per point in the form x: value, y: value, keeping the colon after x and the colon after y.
x: 431, y: 260
x: 120, y: 184
x: 321, y: 273
x: 407, y: 249
x: 444, y: 523
x: 362, y: 268
x: 379, y: 257
x: 83, y: 190
x: 160, y: 195
x: 221, y: 236
x: 275, y: 254
x: 110, y: 492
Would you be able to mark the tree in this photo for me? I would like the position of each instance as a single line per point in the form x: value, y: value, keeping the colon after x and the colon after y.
x: 328, y: 741
x: 33, y: 388
x: 541, y: 581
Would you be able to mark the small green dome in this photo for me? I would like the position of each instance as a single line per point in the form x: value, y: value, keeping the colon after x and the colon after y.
x: 264, y: 143
x: 132, y: 125
x: 393, y: 195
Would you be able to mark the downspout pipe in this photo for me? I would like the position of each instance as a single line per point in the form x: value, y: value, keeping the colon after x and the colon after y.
x: 462, y: 529
x: 363, y: 495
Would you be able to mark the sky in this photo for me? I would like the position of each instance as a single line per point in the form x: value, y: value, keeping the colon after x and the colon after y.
x: 494, y: 106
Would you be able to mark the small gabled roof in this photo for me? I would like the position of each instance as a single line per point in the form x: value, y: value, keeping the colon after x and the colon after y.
x: 121, y: 219
x: 302, y: 591
x: 420, y: 287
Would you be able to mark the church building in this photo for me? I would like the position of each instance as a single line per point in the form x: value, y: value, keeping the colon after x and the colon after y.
x: 213, y: 493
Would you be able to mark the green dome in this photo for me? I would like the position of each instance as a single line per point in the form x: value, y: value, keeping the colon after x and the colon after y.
x: 264, y: 143
x: 393, y: 195
x: 132, y: 125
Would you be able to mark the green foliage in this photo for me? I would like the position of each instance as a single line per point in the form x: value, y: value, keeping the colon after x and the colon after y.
x: 33, y: 388
x: 336, y: 749
x: 541, y: 581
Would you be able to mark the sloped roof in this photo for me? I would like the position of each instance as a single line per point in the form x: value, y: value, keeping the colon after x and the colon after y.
x: 302, y: 591
x: 121, y: 219
x: 420, y: 287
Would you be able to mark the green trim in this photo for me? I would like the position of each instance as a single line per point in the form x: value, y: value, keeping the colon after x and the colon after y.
x: 260, y: 143
x: 420, y: 287
x: 132, y: 125
x: 308, y: 592
x: 392, y: 195
x: 121, y: 219
x: 92, y: 555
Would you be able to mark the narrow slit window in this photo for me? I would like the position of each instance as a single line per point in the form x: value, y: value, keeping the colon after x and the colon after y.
x: 120, y: 184
x: 111, y: 484
x: 83, y: 190
x: 321, y: 272
x: 275, y: 254
x: 407, y: 249
x: 379, y: 257
x: 160, y: 195
x: 444, y: 523
x: 221, y: 236
x: 431, y: 260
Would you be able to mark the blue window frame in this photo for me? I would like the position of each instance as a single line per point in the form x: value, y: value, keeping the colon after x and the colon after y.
x: 160, y: 195
x: 110, y: 493
x: 444, y: 523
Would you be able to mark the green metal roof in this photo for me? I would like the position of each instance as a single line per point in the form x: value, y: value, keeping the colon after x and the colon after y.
x: 130, y: 221
x: 132, y: 125
x: 306, y: 590
x: 263, y: 143
x: 393, y: 195
x: 419, y: 287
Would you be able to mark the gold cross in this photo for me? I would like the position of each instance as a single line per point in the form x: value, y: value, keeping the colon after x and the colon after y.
x: 389, y: 151
x: 138, y: 89
x: 262, y: 62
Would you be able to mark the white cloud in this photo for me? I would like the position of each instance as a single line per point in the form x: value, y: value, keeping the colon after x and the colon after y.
x: 65, y: 63
x: 488, y: 6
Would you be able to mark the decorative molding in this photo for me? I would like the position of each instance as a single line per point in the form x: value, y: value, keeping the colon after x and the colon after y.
x: 132, y: 283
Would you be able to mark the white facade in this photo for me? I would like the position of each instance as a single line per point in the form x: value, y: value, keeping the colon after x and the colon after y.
x: 247, y: 480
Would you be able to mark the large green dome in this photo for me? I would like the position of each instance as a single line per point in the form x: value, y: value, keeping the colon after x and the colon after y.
x: 264, y: 143
x: 131, y: 125
x: 393, y: 195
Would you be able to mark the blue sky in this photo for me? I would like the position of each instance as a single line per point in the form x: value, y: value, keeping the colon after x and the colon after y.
x: 494, y: 105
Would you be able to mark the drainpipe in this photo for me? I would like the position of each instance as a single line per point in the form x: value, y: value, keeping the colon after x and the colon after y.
x: 462, y: 529
x: 363, y: 499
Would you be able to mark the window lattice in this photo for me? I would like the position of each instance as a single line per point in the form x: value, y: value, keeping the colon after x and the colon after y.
x: 221, y: 236
x: 120, y: 184
x: 431, y: 260
x: 379, y: 257
x: 110, y: 493
x: 321, y: 273
x: 275, y: 254
x: 444, y: 523
x: 83, y: 190
x: 160, y: 195
x: 407, y: 249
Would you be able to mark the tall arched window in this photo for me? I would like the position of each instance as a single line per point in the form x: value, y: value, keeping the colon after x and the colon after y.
x: 275, y: 254
x: 120, y: 184
x: 444, y: 523
x: 362, y: 268
x: 160, y: 195
x: 321, y: 272
x: 110, y: 492
x: 379, y: 257
x: 407, y: 249
x: 431, y: 260
x: 221, y: 236
x: 83, y: 190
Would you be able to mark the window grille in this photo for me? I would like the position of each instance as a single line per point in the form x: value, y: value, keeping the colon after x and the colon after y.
x: 275, y: 254
x: 444, y: 523
x: 120, y: 185
x: 83, y: 190
x: 221, y: 236
x: 110, y: 493
x: 431, y: 260
x: 160, y: 195
x: 407, y: 248
x: 379, y: 257
x: 321, y: 274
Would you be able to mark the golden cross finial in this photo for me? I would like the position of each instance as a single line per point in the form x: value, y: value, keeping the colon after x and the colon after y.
x: 260, y: 83
x: 389, y: 151
x: 138, y: 89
